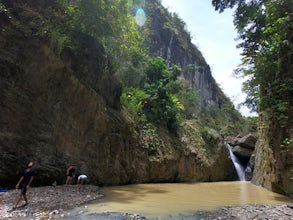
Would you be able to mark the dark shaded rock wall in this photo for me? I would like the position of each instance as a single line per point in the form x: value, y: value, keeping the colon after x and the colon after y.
x: 274, y: 155
x: 49, y: 116
x: 56, y: 110
x: 61, y: 109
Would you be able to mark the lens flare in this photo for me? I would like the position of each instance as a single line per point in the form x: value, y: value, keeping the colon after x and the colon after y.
x: 138, y: 3
x: 140, y: 17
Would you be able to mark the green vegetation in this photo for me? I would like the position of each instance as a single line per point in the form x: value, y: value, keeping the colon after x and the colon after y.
x: 152, y: 92
x: 265, y: 28
x: 167, y: 101
x: 266, y: 32
x: 156, y: 100
x: 190, y: 100
x: 111, y: 24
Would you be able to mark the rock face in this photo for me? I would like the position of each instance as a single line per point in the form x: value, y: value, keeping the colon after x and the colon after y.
x: 175, y: 47
x: 242, y: 151
x: 248, y: 141
x: 243, y: 147
x: 275, y: 146
x: 61, y: 109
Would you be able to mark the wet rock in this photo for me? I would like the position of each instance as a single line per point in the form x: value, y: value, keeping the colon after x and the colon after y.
x: 249, y: 212
x: 232, y: 141
x: 242, y: 152
x: 248, y: 141
x: 248, y: 173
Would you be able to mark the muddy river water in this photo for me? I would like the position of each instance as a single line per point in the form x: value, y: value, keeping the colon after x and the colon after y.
x: 161, y: 200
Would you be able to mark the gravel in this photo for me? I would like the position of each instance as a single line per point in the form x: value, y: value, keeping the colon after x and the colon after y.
x: 47, y: 202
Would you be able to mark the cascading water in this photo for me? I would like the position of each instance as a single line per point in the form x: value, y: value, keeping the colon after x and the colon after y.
x: 239, y: 168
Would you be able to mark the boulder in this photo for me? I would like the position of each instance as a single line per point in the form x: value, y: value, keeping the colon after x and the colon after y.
x: 248, y: 173
x: 232, y: 141
x: 247, y: 141
x: 251, y: 162
x: 242, y: 152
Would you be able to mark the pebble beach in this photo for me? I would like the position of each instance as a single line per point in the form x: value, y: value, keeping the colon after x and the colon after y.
x: 47, y: 202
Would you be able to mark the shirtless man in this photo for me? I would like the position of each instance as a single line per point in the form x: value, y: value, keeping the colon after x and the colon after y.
x: 24, y: 183
x: 70, y: 174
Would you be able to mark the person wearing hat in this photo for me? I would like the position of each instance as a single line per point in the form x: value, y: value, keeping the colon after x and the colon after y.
x: 24, y: 183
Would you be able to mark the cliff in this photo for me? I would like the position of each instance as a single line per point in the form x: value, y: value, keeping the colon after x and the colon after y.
x: 60, y: 106
x: 274, y: 153
x: 170, y: 40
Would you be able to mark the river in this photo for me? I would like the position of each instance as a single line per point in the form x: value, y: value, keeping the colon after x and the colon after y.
x: 163, y: 200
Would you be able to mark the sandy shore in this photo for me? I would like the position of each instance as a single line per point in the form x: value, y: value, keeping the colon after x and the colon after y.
x: 57, y: 202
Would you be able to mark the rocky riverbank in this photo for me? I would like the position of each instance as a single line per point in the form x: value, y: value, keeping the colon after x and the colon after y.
x: 46, y: 202
x: 57, y: 202
x: 249, y: 212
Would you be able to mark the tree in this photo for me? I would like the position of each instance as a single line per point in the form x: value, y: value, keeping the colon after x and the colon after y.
x: 162, y: 107
x: 156, y: 100
x: 265, y: 29
x: 111, y: 24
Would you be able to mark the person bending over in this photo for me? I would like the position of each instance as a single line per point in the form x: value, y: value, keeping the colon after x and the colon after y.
x: 81, y: 181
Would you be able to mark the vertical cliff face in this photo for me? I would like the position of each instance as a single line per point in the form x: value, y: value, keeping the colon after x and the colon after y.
x: 175, y: 46
x: 56, y: 109
x: 274, y: 156
x: 274, y: 152
x: 61, y: 108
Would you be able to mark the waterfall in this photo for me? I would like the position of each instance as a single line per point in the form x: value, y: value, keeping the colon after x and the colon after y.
x: 239, y: 168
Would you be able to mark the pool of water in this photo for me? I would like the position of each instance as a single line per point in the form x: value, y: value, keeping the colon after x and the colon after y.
x: 163, y: 200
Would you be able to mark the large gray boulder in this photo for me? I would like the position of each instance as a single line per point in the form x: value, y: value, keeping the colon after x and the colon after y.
x: 242, y: 146
x: 248, y: 141
x: 242, y: 152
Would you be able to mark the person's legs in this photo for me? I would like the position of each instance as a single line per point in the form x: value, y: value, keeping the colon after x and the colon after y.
x: 81, y: 187
x: 79, y: 184
x: 22, y: 195
x: 18, y: 200
x: 68, y: 180
x: 25, y: 199
x: 82, y: 183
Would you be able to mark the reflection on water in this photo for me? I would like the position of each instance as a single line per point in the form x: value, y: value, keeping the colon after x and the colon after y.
x: 171, y: 199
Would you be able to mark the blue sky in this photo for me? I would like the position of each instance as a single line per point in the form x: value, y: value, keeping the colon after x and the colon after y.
x: 214, y: 34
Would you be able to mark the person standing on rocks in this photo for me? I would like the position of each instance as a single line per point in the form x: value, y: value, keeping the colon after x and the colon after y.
x: 70, y: 173
x: 24, y: 183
